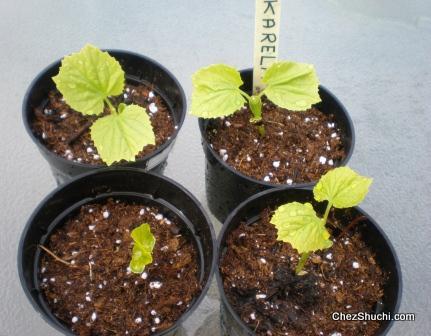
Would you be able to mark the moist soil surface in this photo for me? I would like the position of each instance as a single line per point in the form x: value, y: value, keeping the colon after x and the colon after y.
x: 296, y: 147
x: 261, y: 285
x: 96, y: 294
x: 67, y: 132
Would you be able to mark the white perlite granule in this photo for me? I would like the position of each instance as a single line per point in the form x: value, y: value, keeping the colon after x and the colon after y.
x: 155, y: 284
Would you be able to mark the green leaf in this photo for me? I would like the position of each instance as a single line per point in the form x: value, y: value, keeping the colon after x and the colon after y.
x: 121, y: 136
x: 216, y: 91
x: 299, y: 225
x: 291, y: 85
x: 87, y: 78
x: 144, y: 242
x: 342, y: 187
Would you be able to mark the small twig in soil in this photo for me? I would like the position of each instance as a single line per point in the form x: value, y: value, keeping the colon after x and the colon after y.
x: 54, y: 256
x: 240, y: 162
x: 39, y: 113
x: 322, y: 272
x: 257, y: 325
x: 351, y: 226
x: 333, y: 224
x: 274, y: 122
x: 295, y: 174
x: 91, y: 271
x: 71, y: 257
x: 114, y: 332
x: 81, y: 131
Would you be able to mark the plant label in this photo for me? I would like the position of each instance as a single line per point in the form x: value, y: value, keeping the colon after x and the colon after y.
x: 266, y: 37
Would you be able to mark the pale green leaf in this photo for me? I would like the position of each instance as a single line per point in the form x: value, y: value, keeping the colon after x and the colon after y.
x: 216, y: 91
x: 298, y: 224
x: 87, y: 78
x: 122, y: 135
x: 342, y: 187
x: 144, y: 242
x: 291, y: 85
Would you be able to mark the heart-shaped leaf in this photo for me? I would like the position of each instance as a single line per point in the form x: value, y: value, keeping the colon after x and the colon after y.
x: 87, y: 78
x: 121, y: 136
x: 342, y: 187
x: 291, y: 85
x: 216, y: 91
x: 299, y: 225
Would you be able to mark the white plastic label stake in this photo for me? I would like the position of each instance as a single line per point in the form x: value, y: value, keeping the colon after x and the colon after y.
x: 266, y: 37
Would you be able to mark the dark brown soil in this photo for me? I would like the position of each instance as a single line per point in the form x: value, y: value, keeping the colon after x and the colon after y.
x: 97, y: 294
x: 297, y: 146
x: 260, y: 283
x: 67, y: 132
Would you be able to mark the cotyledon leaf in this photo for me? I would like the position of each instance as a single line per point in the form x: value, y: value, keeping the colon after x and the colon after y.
x: 298, y: 224
x: 291, y: 85
x: 87, y: 78
x: 342, y: 187
x: 121, y: 136
x: 216, y: 91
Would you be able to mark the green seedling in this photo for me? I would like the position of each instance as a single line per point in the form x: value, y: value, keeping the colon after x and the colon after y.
x: 144, y: 242
x: 298, y: 223
x: 87, y: 80
x: 289, y: 85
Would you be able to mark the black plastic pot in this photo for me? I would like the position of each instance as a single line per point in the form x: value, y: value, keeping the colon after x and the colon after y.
x: 138, y: 69
x: 227, y: 187
x: 249, y: 211
x: 123, y: 183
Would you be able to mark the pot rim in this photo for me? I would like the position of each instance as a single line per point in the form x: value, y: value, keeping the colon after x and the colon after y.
x: 56, y: 64
x: 58, y: 189
x: 343, y: 162
x: 226, y: 225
